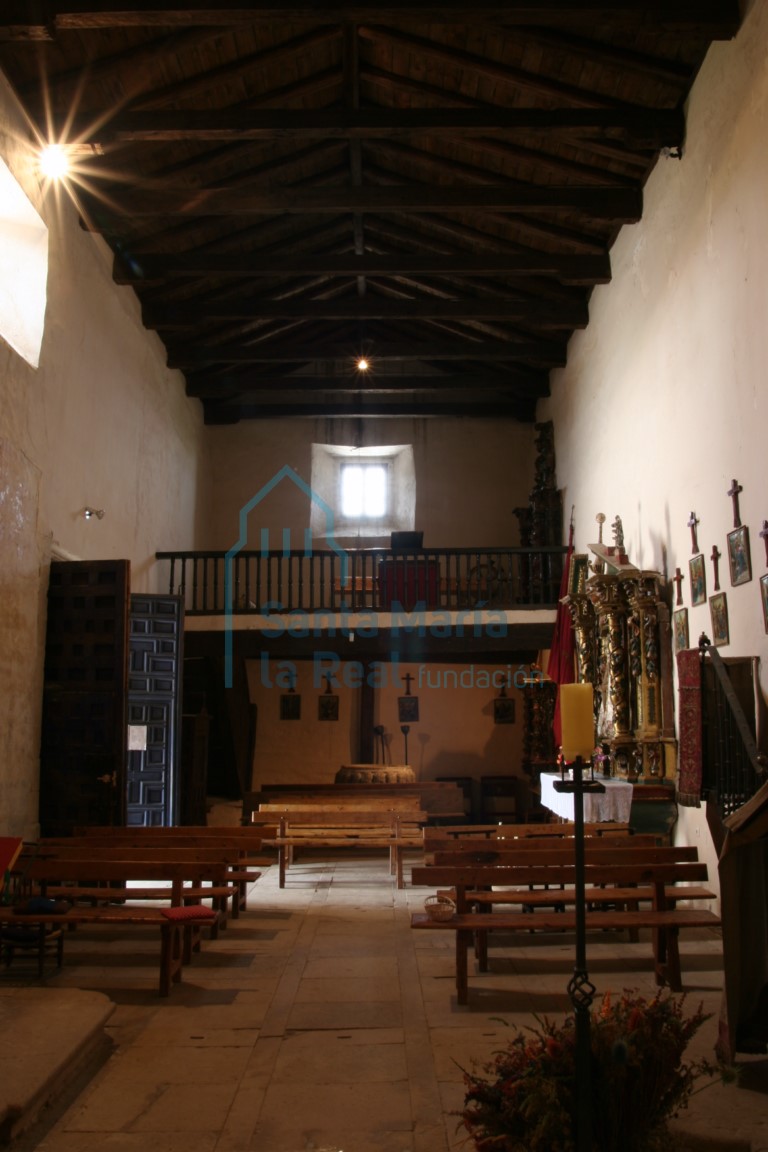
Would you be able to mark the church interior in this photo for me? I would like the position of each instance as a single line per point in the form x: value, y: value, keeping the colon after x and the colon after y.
x: 365, y: 368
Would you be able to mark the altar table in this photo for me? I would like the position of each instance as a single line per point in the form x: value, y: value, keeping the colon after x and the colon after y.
x: 613, y: 804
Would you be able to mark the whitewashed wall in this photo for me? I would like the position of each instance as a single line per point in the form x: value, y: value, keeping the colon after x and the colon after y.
x: 664, y: 398
x: 470, y: 475
x: 102, y: 422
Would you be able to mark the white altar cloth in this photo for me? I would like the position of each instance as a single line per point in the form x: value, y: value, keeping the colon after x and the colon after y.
x: 613, y: 804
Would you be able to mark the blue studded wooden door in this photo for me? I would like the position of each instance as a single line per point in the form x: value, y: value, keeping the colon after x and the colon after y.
x: 156, y: 630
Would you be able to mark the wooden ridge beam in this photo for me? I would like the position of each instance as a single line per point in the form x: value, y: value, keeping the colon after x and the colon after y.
x: 222, y: 388
x: 548, y: 353
x: 523, y: 411
x: 622, y: 205
x: 655, y: 128
x: 36, y: 20
x: 566, y: 314
x: 586, y: 269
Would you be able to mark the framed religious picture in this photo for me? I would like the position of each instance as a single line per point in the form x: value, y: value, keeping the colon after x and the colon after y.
x: 698, y: 580
x: 738, y: 555
x: 718, y: 611
x: 328, y: 707
x: 503, y: 710
x: 290, y: 706
x: 764, y: 598
x: 680, y: 625
x: 407, y: 709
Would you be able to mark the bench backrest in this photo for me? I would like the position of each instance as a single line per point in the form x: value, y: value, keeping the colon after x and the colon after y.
x: 350, y: 818
x: 535, y: 831
x: 95, y: 852
x: 434, y: 840
x: 521, y: 876
x: 595, y: 851
x: 435, y: 797
x: 167, y: 831
x: 376, y: 804
x: 78, y: 869
x: 247, y: 839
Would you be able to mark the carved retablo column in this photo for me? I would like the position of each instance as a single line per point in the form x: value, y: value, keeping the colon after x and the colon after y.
x: 584, y: 636
x: 609, y: 601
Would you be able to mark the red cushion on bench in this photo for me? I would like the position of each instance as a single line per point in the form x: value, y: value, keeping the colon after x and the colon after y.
x: 189, y: 912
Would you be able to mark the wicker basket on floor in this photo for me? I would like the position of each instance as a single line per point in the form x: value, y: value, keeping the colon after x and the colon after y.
x: 439, y: 907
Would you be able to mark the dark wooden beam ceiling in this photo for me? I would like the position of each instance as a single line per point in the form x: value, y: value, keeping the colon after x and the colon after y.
x: 22, y: 18
x: 286, y: 186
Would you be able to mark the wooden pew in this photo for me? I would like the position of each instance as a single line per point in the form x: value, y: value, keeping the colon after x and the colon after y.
x: 180, y: 925
x: 661, y: 884
x: 534, y: 831
x: 433, y: 841
x: 177, y: 937
x: 247, y: 839
x: 214, y: 872
x: 442, y: 800
x: 313, y: 828
x: 490, y: 852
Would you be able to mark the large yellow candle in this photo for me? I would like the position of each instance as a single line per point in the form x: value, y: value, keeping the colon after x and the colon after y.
x: 577, y: 721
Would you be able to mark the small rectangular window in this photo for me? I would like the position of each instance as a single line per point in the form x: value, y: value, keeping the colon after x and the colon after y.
x: 364, y: 491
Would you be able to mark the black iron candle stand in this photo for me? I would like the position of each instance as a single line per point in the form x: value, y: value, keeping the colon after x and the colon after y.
x: 580, y: 989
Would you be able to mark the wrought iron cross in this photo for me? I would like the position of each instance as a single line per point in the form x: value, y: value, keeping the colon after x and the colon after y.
x: 733, y: 492
x: 764, y: 534
x: 678, y: 580
x: 715, y: 558
x: 692, y: 522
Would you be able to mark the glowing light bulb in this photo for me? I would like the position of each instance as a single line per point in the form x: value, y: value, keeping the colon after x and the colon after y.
x: 54, y: 161
x: 362, y: 364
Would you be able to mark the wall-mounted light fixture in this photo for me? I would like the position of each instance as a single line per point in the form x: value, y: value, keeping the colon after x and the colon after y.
x: 93, y: 513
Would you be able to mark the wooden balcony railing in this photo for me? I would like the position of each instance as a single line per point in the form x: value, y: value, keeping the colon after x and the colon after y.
x: 371, y: 579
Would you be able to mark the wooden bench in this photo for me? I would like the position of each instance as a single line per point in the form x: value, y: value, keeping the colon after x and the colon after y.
x: 490, y: 852
x: 490, y: 847
x: 245, y: 839
x: 442, y: 801
x: 178, y: 937
x: 534, y: 831
x: 178, y: 875
x: 309, y: 828
x: 661, y: 884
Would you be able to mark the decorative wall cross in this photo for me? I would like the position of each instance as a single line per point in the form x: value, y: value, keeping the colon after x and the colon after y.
x: 408, y: 677
x: 764, y: 534
x: 692, y: 522
x: 677, y: 579
x: 733, y: 492
x: 715, y: 558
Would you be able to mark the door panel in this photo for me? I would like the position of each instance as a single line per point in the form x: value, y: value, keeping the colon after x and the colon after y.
x: 82, y: 748
x: 156, y: 635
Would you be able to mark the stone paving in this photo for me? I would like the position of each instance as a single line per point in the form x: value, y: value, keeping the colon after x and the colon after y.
x: 320, y: 1021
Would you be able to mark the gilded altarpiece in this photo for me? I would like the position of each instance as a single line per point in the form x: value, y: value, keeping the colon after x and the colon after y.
x: 623, y: 648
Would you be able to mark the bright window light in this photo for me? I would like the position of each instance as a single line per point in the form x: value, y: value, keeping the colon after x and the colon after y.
x: 23, y: 270
x: 363, y: 491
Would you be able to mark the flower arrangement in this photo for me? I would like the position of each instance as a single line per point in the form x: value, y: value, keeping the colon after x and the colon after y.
x: 638, y: 1080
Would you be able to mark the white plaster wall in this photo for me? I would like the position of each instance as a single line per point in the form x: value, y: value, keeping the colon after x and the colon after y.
x: 664, y: 399
x: 101, y: 422
x: 470, y: 475
x: 455, y: 734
